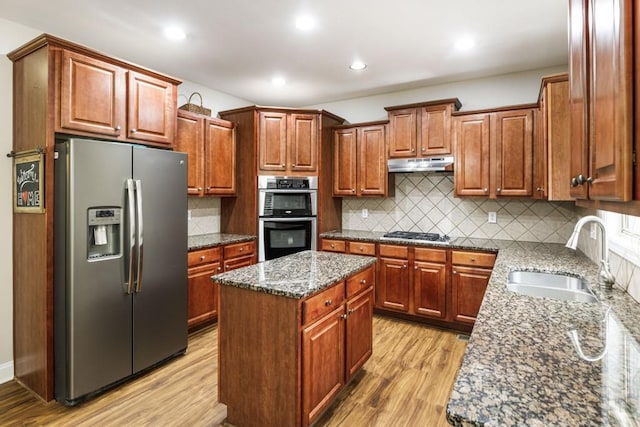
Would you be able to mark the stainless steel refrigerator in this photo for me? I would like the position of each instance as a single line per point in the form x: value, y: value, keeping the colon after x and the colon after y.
x: 120, y: 263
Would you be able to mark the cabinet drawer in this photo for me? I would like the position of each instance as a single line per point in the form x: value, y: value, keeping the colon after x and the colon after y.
x: 433, y: 255
x: 239, y: 249
x: 322, y: 303
x: 334, y: 245
x: 480, y: 259
x: 394, y: 251
x: 361, y: 248
x: 360, y: 281
x: 204, y: 256
x: 232, y: 264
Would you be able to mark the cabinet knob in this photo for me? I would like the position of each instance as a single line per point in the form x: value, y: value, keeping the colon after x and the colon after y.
x: 415, y: 267
x: 486, y: 190
x: 454, y: 272
x: 362, y: 189
x: 498, y: 190
x: 473, y: 260
x: 353, y: 190
x: 351, y: 310
x: 424, y: 149
x: 199, y: 188
x: 582, y: 180
x: 328, y: 302
x: 283, y: 165
x: 574, y: 182
x: 363, y: 282
x: 343, y: 316
x: 413, y: 149
x: 241, y: 249
x: 117, y: 128
x: 293, y: 165
x: 404, y: 266
x: 202, y: 258
x: 333, y: 246
x: 219, y: 268
x: 134, y: 130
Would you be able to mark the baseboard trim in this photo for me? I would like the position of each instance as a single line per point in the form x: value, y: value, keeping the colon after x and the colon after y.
x: 6, y: 372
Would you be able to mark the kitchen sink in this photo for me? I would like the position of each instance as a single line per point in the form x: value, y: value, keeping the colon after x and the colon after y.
x: 550, y: 285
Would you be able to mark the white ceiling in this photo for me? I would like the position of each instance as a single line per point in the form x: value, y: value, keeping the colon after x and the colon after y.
x: 238, y: 46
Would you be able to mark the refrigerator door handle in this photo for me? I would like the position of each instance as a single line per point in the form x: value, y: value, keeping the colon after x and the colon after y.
x: 131, y: 207
x: 140, y: 234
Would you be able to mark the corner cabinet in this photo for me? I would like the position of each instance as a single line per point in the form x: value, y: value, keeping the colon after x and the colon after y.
x: 494, y: 152
x: 601, y: 81
x: 359, y: 160
x: 210, y: 145
x: 421, y: 130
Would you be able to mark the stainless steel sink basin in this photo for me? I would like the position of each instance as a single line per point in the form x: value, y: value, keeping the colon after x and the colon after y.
x: 550, y: 285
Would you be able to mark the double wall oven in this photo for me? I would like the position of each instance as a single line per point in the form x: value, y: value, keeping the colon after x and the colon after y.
x: 287, y: 215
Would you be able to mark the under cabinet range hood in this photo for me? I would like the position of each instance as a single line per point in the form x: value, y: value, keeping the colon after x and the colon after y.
x: 427, y: 164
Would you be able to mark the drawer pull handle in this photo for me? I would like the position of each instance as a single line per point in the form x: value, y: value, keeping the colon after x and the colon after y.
x: 328, y: 302
x: 363, y: 281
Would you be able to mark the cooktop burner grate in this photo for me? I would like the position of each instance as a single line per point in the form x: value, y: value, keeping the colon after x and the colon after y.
x: 414, y: 235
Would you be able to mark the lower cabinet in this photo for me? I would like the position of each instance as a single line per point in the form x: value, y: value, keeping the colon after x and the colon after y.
x: 202, y: 306
x: 392, y: 291
x: 470, y: 272
x: 430, y: 283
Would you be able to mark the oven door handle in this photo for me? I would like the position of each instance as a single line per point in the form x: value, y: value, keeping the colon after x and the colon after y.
x: 299, y: 218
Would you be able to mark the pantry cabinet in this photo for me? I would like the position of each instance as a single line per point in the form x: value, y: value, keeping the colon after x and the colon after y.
x: 601, y: 55
x: 359, y: 164
x: 494, y: 153
x: 421, y: 130
x: 210, y: 145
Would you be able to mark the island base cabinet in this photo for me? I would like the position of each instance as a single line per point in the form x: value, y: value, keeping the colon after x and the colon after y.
x: 359, y: 337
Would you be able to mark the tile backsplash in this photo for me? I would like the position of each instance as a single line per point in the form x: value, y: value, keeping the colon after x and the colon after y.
x: 205, y: 215
x: 425, y: 202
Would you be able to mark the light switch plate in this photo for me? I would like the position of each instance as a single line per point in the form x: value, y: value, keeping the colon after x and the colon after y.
x: 365, y: 213
x: 492, y: 218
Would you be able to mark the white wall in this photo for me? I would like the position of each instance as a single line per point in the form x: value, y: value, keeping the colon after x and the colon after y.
x: 489, y: 92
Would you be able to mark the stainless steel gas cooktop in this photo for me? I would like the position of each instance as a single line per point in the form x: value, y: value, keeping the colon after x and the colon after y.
x: 442, y: 239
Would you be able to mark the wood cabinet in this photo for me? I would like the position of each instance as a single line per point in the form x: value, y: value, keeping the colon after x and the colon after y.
x: 430, y: 283
x: 315, y: 346
x: 494, y: 153
x: 202, y: 307
x: 601, y: 49
x: 392, y: 291
x: 470, y: 272
x: 60, y: 87
x: 359, y: 162
x: 421, y: 130
x: 288, y: 142
x: 107, y: 99
x: 210, y: 145
x: 552, y: 146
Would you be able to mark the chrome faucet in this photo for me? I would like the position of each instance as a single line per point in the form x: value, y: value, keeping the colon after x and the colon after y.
x: 605, y: 278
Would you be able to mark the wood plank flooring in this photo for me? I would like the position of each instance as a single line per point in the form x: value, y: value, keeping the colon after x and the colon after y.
x: 407, y: 381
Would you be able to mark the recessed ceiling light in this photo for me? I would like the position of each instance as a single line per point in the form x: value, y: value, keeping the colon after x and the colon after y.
x: 358, y: 65
x: 174, y: 33
x: 465, y: 43
x: 278, y: 81
x: 305, y: 22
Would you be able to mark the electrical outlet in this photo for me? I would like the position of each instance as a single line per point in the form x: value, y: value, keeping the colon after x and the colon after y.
x: 365, y: 213
x: 593, y: 231
x: 189, y: 214
x: 492, y: 218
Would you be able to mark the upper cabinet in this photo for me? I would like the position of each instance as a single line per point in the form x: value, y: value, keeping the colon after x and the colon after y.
x: 494, y: 153
x: 359, y: 161
x: 288, y: 142
x: 601, y: 99
x: 210, y: 145
x: 423, y: 129
x: 105, y: 98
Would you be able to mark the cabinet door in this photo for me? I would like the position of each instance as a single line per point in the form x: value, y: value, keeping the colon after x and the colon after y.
x: 471, y: 169
x: 403, y: 126
x: 359, y: 331
x: 429, y: 287
x: 189, y: 139
x: 372, y: 163
x: 513, y: 145
x: 468, y: 287
x: 303, y: 142
x: 202, y: 294
x: 322, y: 363
x: 393, y: 284
x: 344, y: 162
x: 151, y: 109
x: 611, y: 99
x: 272, y: 141
x: 220, y: 158
x: 578, y: 93
x: 435, y: 137
x: 92, y: 95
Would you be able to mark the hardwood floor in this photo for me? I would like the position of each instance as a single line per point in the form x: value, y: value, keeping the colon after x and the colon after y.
x: 406, y: 382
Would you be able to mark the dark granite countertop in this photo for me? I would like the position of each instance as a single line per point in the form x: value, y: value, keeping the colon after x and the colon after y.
x: 212, y: 240
x: 298, y: 275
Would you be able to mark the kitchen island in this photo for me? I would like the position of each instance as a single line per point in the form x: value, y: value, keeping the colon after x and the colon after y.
x: 291, y: 333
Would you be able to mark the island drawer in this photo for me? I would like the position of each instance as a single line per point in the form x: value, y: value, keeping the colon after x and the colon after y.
x: 360, y: 281
x: 322, y: 303
x: 239, y: 249
x: 334, y: 245
x: 432, y: 255
x: 394, y: 251
x: 204, y: 256
x: 480, y: 259
x: 362, y: 248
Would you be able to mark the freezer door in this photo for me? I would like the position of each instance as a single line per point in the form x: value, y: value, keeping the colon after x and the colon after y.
x: 160, y: 303
x: 93, y: 323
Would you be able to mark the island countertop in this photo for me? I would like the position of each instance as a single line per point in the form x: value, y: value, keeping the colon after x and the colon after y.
x: 296, y: 276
